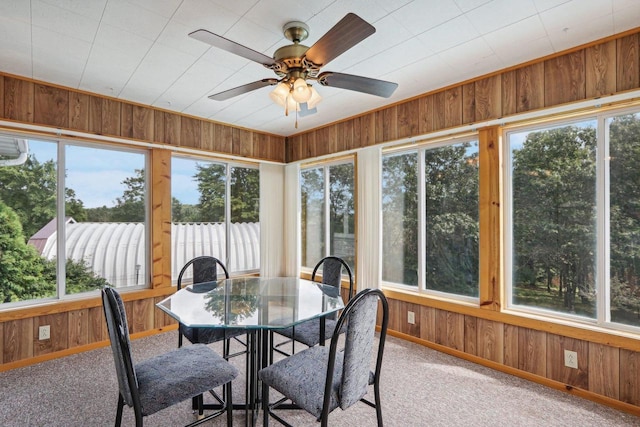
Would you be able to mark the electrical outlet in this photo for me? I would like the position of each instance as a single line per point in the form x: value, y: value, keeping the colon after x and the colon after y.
x: 411, y: 317
x: 44, y: 332
x: 571, y: 359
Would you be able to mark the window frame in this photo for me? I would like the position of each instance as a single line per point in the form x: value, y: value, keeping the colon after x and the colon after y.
x: 228, y: 165
x: 61, y: 253
x: 419, y: 148
x: 326, y: 165
x: 602, y: 224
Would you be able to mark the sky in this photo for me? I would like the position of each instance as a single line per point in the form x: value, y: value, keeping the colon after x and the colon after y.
x: 96, y: 174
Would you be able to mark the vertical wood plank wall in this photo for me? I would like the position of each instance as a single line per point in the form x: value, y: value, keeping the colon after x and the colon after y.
x: 80, y: 325
x: 38, y: 103
x: 607, y: 365
x: 604, y: 68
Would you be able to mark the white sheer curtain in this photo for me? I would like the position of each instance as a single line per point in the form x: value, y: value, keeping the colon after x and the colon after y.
x: 291, y: 220
x: 272, y: 215
x: 368, y: 269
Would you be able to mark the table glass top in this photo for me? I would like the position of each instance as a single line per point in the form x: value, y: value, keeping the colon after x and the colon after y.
x: 252, y: 302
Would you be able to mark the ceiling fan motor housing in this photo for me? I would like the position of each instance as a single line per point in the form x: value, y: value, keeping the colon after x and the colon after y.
x: 290, y: 59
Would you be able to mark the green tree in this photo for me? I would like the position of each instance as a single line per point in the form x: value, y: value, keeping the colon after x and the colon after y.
x: 312, y: 214
x: 101, y: 214
x: 73, y: 207
x: 451, y: 199
x: 554, y: 213
x: 20, y: 265
x: 211, y: 181
x: 245, y: 195
x: 624, y: 217
x: 400, y: 217
x: 30, y: 190
x: 130, y: 207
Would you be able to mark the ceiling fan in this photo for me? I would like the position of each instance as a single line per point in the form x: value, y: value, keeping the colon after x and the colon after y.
x: 296, y: 64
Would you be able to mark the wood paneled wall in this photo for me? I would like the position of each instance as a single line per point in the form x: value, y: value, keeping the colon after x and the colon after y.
x: 78, y: 326
x: 606, y: 373
x: 32, y: 102
x: 601, y: 69
x: 81, y: 326
x: 607, y: 364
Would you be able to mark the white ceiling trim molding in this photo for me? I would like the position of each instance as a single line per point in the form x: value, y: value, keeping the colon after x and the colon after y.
x: 48, y: 132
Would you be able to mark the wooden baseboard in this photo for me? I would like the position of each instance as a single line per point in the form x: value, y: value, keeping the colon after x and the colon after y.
x: 79, y: 349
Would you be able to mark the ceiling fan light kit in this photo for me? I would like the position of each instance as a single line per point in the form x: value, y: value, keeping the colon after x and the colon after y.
x: 296, y: 64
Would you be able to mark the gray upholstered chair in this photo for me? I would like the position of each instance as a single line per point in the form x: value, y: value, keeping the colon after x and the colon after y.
x: 320, y: 379
x: 204, y: 277
x: 205, y: 273
x: 308, y: 332
x: 164, y: 380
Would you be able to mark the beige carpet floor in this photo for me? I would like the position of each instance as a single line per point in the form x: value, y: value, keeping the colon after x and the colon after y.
x: 420, y: 387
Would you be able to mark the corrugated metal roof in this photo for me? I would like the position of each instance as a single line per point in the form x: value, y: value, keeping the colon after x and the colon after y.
x: 116, y: 251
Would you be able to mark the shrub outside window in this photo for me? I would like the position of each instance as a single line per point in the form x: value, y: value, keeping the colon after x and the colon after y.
x: 95, y: 197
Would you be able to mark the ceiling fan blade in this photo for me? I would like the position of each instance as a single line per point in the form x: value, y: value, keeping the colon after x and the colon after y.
x: 347, y: 33
x: 230, y: 93
x: 358, y: 83
x: 305, y: 111
x: 231, y: 46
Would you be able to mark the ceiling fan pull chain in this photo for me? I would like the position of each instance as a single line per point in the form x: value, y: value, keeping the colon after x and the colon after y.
x: 286, y: 106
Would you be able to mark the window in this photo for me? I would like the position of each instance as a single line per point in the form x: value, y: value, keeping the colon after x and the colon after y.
x: 95, y: 198
x: 215, y: 211
x: 400, y: 218
x: 553, y: 205
x: 574, y: 227
x: 623, y: 303
x: 327, y: 201
x: 430, y: 218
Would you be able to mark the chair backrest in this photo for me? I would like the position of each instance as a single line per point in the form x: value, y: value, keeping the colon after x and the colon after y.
x: 332, y: 272
x: 205, y: 269
x: 361, y: 314
x: 120, y: 345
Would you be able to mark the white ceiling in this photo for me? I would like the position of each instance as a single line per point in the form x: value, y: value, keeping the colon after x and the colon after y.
x: 138, y: 50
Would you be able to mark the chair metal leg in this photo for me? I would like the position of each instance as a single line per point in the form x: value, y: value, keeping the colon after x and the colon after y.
x: 229, y: 404
x: 265, y: 405
x: 138, y: 413
x: 376, y: 390
x: 194, y: 403
x: 119, y: 412
x: 200, y: 400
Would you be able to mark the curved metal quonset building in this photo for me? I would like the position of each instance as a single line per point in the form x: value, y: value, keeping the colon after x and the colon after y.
x: 116, y: 251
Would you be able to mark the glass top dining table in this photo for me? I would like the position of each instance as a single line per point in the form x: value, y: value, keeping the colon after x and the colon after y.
x: 252, y: 303
x: 258, y: 304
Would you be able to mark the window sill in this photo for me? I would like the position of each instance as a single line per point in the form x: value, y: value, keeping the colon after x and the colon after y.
x: 572, y: 329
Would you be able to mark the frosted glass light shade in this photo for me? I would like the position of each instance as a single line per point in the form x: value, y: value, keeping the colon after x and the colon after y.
x: 301, y: 91
x: 314, y: 99
x: 279, y: 94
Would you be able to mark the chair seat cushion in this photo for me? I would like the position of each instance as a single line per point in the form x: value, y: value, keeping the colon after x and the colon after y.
x: 180, y: 374
x: 303, y: 375
x: 209, y: 335
x: 308, y: 332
